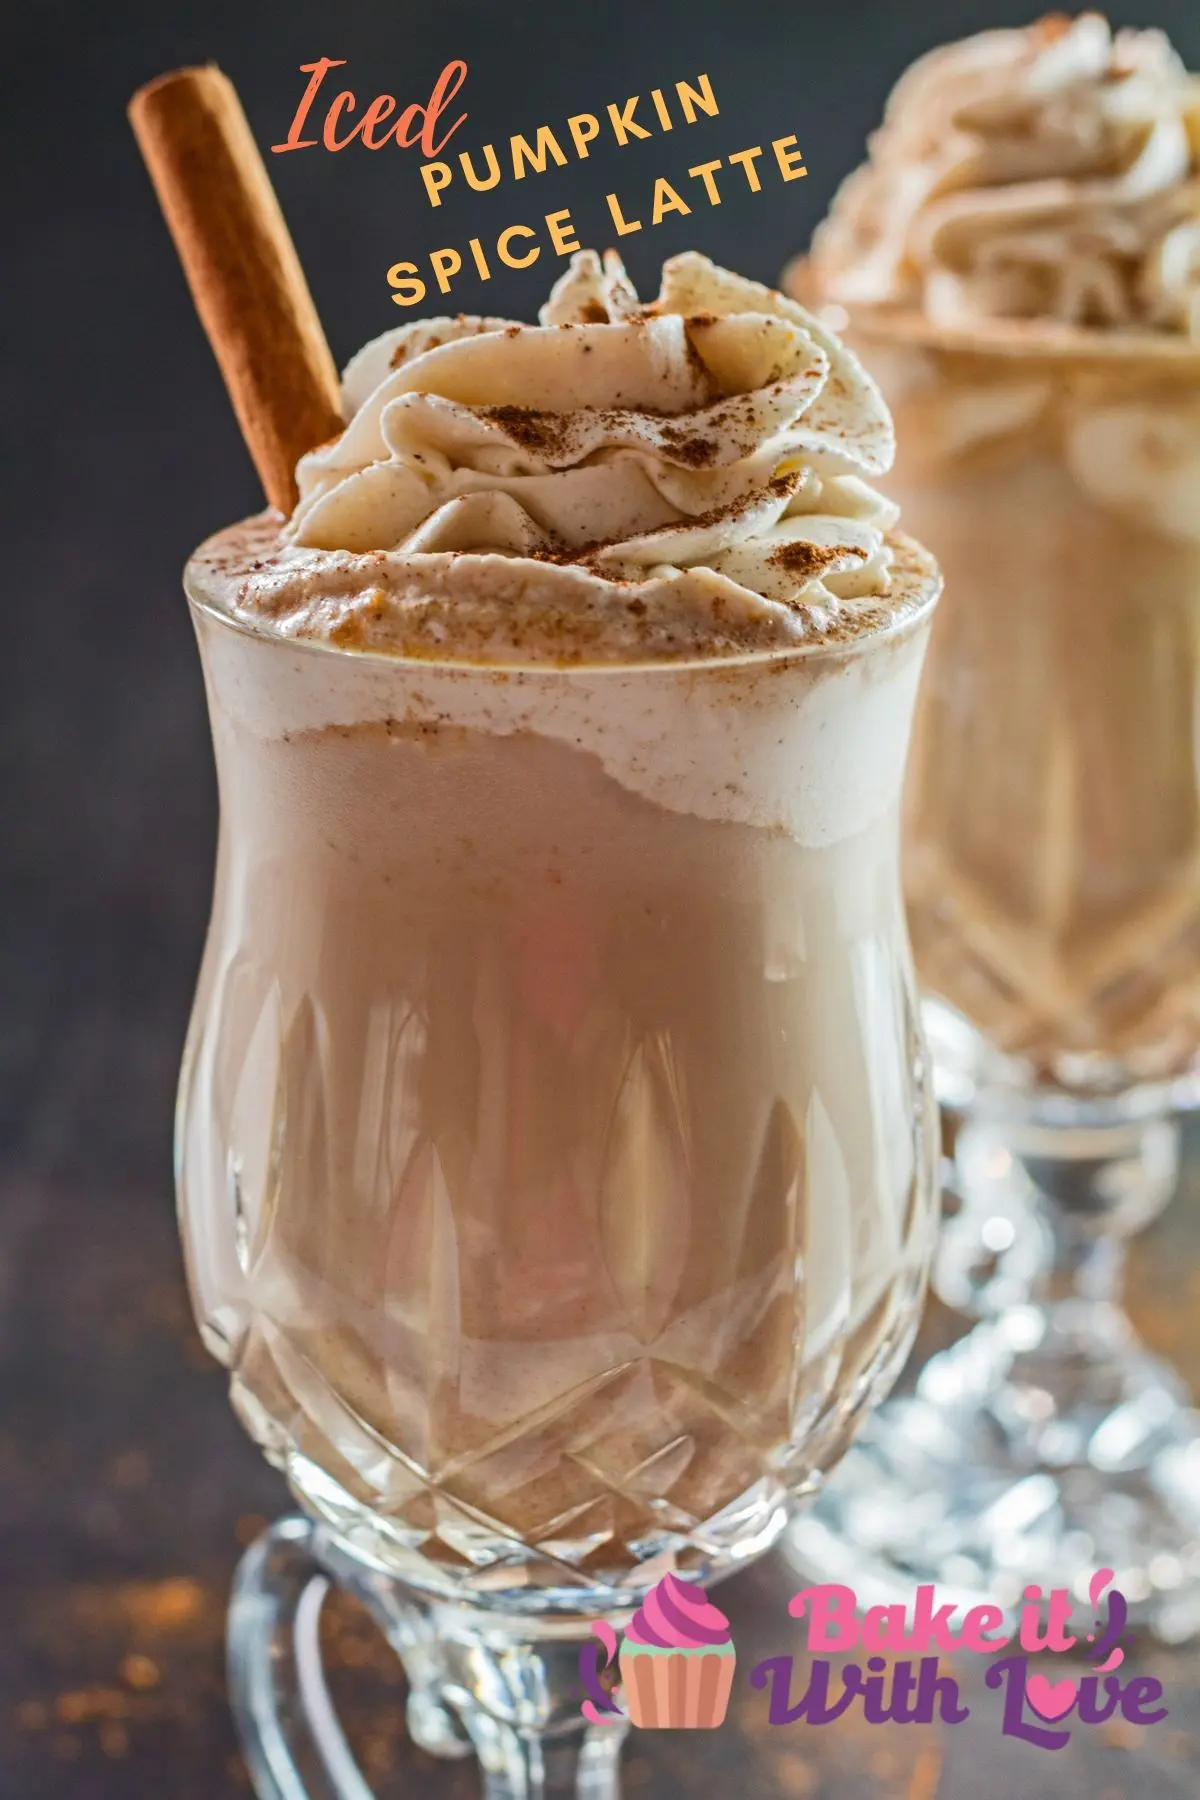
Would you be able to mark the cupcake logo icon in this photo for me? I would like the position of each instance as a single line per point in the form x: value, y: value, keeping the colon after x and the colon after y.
x: 676, y: 1663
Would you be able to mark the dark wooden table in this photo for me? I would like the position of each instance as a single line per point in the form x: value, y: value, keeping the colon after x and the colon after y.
x: 127, y: 1490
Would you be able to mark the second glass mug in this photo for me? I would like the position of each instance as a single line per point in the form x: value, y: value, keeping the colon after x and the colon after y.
x: 556, y: 1159
x: 1052, y: 870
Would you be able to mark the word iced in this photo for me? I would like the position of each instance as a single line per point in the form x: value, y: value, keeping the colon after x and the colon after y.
x: 419, y: 123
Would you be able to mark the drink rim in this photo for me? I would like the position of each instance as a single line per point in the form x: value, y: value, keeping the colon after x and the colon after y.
x: 930, y: 577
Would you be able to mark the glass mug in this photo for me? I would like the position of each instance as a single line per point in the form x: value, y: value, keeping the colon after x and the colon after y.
x: 556, y: 1158
x: 1052, y: 874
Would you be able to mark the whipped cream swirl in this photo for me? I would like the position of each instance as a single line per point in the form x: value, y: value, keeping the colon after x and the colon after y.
x: 1050, y: 172
x: 687, y: 477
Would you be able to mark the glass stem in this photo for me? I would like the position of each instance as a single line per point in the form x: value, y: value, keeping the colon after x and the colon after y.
x: 520, y: 1704
x: 1087, y: 1188
x: 522, y: 1766
x: 1084, y: 1267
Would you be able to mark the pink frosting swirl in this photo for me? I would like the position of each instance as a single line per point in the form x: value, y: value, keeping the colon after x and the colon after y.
x: 675, y: 1615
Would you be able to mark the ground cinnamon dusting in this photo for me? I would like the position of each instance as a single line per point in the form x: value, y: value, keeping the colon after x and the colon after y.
x: 694, y: 451
x: 805, y: 560
x: 402, y: 352
x: 543, y: 432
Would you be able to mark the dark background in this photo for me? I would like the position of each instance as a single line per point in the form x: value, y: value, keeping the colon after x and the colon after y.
x: 122, y: 1479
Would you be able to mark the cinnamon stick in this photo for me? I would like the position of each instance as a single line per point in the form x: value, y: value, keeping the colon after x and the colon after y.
x: 242, y: 268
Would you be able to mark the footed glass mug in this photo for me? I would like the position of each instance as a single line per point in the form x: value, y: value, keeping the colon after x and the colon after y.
x: 1052, y: 871
x: 556, y: 1159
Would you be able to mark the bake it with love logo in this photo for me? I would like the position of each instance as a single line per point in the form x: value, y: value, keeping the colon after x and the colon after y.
x: 675, y: 1667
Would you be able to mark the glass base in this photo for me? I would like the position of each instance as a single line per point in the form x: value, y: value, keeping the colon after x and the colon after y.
x: 1038, y: 1450
x: 485, y: 1682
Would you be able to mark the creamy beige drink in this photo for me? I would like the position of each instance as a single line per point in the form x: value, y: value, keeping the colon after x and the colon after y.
x: 1020, y: 260
x: 554, y: 1143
